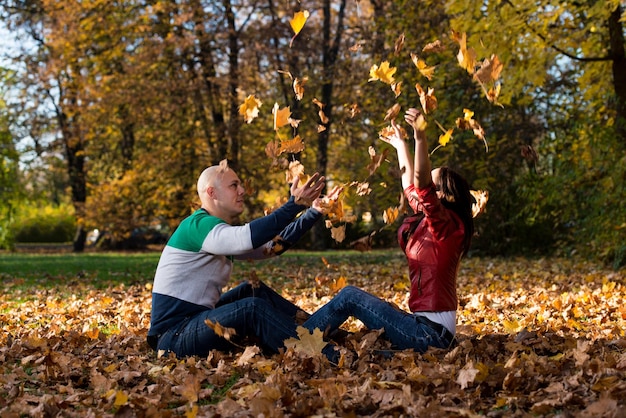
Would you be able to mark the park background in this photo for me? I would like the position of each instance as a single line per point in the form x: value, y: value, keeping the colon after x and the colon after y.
x: 110, y: 110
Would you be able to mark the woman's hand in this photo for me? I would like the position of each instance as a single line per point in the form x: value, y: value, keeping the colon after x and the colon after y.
x: 415, y: 118
x: 311, y: 190
x: 397, y: 139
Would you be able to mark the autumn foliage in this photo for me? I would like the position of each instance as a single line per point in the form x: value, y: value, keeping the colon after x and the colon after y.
x: 535, y: 338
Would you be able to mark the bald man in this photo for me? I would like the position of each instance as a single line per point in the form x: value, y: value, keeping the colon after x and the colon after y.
x: 197, y: 261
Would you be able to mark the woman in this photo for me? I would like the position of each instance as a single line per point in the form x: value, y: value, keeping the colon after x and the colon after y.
x: 434, y: 240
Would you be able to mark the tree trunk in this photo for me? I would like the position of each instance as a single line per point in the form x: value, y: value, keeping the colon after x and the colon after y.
x: 330, y: 52
x: 616, y: 48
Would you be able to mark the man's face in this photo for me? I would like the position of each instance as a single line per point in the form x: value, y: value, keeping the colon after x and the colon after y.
x: 228, y: 194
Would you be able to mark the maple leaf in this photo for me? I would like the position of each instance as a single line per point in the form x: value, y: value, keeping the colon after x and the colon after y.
x: 467, y: 122
x: 292, y: 146
x: 298, y: 87
x: 388, y: 131
x: 223, y: 166
x: 427, y: 99
x: 481, y: 197
x: 466, y: 57
x: 297, y: 23
x: 393, y: 112
x: 226, y: 333
x: 398, y: 45
x: 281, y: 116
x: 383, y: 73
x: 423, y: 68
x: 390, y: 215
x: 375, y: 160
x: 247, y: 355
x: 489, y: 70
x: 338, y: 233
x: 296, y: 169
x: 396, y: 88
x: 432, y: 47
x: 307, y: 343
x: 250, y: 108
x: 467, y: 375
x: 353, y: 110
x: 272, y: 149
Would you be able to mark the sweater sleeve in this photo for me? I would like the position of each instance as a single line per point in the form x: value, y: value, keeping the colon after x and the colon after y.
x: 264, y: 229
x: 294, y: 231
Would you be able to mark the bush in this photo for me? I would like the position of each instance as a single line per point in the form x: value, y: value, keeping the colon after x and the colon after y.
x: 44, y: 224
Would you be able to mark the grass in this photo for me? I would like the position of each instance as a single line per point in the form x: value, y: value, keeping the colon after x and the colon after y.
x: 104, y: 269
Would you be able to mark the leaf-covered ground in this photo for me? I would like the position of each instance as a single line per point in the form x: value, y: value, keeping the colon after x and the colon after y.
x: 535, y: 338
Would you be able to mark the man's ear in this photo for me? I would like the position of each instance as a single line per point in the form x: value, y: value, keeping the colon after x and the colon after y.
x: 210, y: 191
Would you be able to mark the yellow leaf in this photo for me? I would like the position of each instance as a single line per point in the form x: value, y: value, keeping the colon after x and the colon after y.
x: 383, y: 73
x: 466, y: 56
x: 298, y: 21
x: 423, y: 68
x: 512, y: 326
x: 120, y: 398
x: 445, y: 138
x: 338, y: 284
x: 250, y: 108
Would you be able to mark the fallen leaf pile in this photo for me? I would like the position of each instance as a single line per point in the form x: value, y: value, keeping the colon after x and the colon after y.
x: 535, y: 338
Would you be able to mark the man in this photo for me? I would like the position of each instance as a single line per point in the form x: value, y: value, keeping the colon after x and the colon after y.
x: 197, y: 261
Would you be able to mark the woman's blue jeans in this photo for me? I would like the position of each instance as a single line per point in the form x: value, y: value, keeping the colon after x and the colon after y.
x: 403, y: 329
x: 253, y: 312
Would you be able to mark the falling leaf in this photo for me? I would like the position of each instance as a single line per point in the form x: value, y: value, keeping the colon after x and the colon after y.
x: 223, y: 166
x: 467, y: 122
x: 338, y: 284
x: 323, y: 117
x: 273, y: 149
x: 445, y: 137
x: 292, y: 146
x: 383, y: 73
x: 296, y: 169
x: 363, y: 189
x: 298, y: 87
x: 390, y: 215
x: 307, y: 343
x: 393, y: 112
x: 297, y: 23
x: 338, y: 233
x: 433, y: 47
x: 281, y: 116
x: 427, y: 99
x: 250, y: 108
x: 375, y: 159
x: 398, y: 45
x: 466, y: 56
x: 388, y: 131
x: 396, y: 88
x: 481, y: 197
x: 489, y: 70
x: 353, y: 110
x: 317, y: 103
x: 226, y: 333
x: 423, y: 68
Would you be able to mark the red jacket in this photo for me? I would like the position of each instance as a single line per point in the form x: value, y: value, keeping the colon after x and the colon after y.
x: 433, y: 251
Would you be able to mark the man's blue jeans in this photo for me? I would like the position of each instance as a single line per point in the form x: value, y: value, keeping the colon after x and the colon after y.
x: 259, y: 312
x: 403, y: 329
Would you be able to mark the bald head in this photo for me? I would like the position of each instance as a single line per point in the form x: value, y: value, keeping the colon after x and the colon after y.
x: 221, y: 192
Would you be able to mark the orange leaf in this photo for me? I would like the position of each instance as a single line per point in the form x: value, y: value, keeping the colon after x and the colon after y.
x: 221, y: 331
x: 310, y: 344
x: 292, y: 146
x: 281, y: 116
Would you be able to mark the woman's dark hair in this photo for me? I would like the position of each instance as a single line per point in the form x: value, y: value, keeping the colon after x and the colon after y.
x: 459, y: 199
